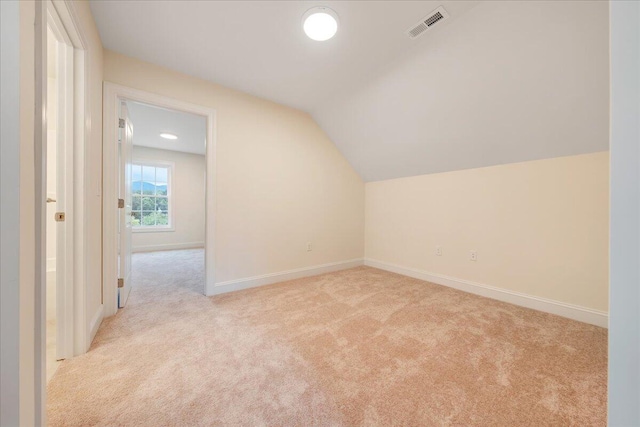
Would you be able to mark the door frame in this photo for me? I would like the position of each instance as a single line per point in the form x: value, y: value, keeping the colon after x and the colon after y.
x: 64, y: 140
x: 80, y: 333
x: 113, y: 94
x: 77, y: 332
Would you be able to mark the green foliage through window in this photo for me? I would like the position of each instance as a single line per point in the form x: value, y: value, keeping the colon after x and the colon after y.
x: 150, y: 196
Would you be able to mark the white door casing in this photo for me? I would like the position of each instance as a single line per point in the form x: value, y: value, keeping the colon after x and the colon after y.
x: 78, y: 332
x: 64, y: 186
x: 125, y: 147
x: 114, y: 94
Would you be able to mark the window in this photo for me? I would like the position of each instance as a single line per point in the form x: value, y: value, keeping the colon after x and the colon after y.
x: 151, y: 197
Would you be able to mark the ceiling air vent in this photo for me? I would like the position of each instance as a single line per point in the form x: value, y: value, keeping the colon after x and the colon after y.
x: 427, y: 22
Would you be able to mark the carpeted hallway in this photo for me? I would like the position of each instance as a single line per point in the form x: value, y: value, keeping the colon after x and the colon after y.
x: 356, y: 347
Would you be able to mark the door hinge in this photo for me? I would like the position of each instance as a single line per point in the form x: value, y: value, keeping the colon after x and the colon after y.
x: 120, y: 203
x: 121, y: 283
x: 121, y: 123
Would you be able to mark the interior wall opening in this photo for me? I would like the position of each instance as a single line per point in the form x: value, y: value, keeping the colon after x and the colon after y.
x: 163, y: 183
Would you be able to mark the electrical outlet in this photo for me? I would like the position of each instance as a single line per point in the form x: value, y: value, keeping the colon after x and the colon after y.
x: 473, y: 255
x: 309, y: 247
x: 438, y: 251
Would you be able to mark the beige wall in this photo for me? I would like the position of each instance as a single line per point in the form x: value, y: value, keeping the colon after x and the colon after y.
x: 539, y: 228
x: 187, y: 194
x: 280, y: 182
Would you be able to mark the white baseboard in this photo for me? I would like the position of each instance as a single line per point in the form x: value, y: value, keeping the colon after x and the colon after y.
x: 268, y: 279
x: 168, y: 247
x: 51, y: 264
x: 95, y: 324
x: 575, y: 312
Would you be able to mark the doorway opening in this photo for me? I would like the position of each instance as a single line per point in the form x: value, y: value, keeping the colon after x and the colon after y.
x: 160, y: 174
x: 164, y: 198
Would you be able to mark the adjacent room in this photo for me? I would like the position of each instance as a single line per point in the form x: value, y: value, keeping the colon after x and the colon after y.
x: 167, y: 191
x: 339, y: 213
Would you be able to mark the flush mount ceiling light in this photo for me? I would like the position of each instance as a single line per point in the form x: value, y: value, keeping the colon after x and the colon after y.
x: 168, y: 136
x: 320, y: 23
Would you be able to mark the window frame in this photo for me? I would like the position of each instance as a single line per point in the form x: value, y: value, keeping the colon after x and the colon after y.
x: 158, y: 228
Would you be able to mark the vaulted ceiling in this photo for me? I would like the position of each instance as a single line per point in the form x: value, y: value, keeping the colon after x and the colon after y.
x: 497, y: 82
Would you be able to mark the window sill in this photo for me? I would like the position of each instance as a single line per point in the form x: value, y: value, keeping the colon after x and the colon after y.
x: 152, y: 229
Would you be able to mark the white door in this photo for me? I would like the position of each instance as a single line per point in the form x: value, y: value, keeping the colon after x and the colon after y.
x: 124, y: 204
x: 58, y: 158
x: 60, y: 187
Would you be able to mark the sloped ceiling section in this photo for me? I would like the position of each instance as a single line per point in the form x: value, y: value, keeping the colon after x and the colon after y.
x: 505, y: 82
x: 497, y: 82
x: 259, y: 47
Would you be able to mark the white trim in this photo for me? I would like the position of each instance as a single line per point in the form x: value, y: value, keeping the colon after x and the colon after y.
x: 168, y: 247
x: 40, y: 212
x: 81, y: 132
x: 66, y: 21
x: 75, y: 294
x: 268, y: 279
x: 95, y: 323
x: 571, y: 311
x: 51, y: 265
x: 112, y: 93
x: 66, y: 186
x: 153, y: 229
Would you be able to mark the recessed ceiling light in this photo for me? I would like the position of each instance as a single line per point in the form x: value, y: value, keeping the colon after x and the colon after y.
x: 168, y: 136
x: 320, y: 23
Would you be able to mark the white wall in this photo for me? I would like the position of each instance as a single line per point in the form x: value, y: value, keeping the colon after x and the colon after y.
x: 280, y: 182
x: 10, y: 243
x: 540, y: 228
x: 624, y: 326
x: 29, y: 395
x: 187, y: 194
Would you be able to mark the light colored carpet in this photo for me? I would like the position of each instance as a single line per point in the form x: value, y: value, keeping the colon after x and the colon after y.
x: 357, y: 347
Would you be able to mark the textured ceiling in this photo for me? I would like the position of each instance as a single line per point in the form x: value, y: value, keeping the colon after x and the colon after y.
x: 498, y: 82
